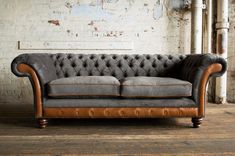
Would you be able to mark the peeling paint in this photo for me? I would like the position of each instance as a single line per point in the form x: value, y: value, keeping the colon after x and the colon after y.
x: 158, y: 10
x: 68, y: 5
x: 113, y: 33
x: 91, y: 23
x: 179, y: 4
x: 55, y: 22
x: 221, y: 43
x: 176, y: 4
x: 95, y: 12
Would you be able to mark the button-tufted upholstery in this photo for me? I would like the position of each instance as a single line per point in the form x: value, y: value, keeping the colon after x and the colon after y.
x: 119, y: 66
x: 61, y: 65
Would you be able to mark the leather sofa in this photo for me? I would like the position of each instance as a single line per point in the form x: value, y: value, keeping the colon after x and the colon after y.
x: 118, y: 86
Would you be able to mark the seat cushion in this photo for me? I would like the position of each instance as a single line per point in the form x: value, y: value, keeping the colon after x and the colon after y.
x: 84, y: 86
x: 155, y: 87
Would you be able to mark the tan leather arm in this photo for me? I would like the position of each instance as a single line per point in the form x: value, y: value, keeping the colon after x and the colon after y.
x: 23, y: 68
x: 214, y: 68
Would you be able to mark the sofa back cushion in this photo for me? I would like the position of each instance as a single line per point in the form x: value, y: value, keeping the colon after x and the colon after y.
x: 119, y: 66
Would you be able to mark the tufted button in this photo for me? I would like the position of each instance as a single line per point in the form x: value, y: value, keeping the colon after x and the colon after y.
x: 106, y: 112
x: 131, y: 65
x: 61, y: 112
x: 108, y: 64
x: 84, y: 64
x: 181, y: 57
x: 165, y: 112
x: 137, y: 57
x: 69, y: 56
x: 78, y: 74
x: 147, y: 57
x: 165, y: 65
x: 142, y: 65
x: 66, y: 75
x: 125, y: 57
x: 61, y: 64
x: 80, y: 57
x: 92, y: 57
x: 159, y: 57
x: 102, y: 57
x: 73, y: 64
x: 121, y: 113
x: 154, y: 65
x: 119, y: 65
x: 96, y: 64
x: 170, y: 57
x: 125, y: 74
x: 114, y: 57
x: 91, y: 112
x: 150, y: 111
x: 113, y: 74
x: 57, y: 57
x: 137, y: 112
x: 77, y: 112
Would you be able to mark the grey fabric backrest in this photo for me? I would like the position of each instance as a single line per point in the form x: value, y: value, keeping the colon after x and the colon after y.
x: 41, y: 63
x: 119, y: 66
x: 193, y: 67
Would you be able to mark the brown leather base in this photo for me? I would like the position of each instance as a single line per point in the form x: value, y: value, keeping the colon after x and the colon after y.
x: 119, y: 112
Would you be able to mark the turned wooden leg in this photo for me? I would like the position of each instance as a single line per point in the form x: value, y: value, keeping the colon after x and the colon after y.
x: 42, y: 123
x: 196, y: 122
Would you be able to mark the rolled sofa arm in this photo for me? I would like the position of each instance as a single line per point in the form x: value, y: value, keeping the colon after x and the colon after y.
x: 40, y: 70
x: 197, y: 69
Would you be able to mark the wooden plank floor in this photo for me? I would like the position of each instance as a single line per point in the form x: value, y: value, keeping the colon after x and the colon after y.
x: 118, y: 136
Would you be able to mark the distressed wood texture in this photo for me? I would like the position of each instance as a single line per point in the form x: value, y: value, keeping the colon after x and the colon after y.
x: 118, y: 136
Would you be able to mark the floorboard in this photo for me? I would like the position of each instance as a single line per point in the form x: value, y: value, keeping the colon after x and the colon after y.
x: 174, y: 136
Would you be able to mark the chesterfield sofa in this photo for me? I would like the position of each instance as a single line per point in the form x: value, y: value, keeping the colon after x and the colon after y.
x: 118, y: 86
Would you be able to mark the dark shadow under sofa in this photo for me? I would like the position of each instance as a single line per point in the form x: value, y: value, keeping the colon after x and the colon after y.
x: 118, y: 86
